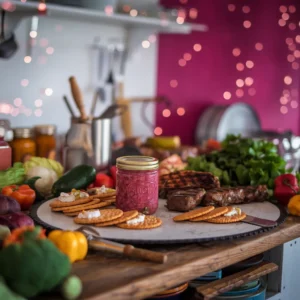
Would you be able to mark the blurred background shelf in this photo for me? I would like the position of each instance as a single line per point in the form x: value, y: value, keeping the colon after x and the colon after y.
x: 97, y: 16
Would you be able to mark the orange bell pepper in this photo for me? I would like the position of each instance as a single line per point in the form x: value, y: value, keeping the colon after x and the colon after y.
x: 23, y: 194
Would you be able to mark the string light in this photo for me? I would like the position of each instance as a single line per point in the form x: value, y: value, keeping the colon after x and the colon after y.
x: 240, y: 67
x: 27, y: 59
x: 48, y: 91
x: 18, y: 102
x: 197, y: 47
x: 252, y: 91
x: 285, y: 16
x: 166, y: 113
x: 145, y: 44
x: 109, y: 10
x: 152, y: 38
x: 292, y: 47
x: 259, y: 46
x: 297, y: 39
x: 240, y: 83
x: 249, y: 81
x: 24, y: 82
x: 50, y: 50
x: 174, y: 83
x: 33, y: 34
x: 158, y: 131
x: 180, y: 111
x: 7, y: 5
x: 231, y: 7
x: 187, y: 56
x: 288, y: 80
x: 239, y: 93
x: 182, y: 62
x: 180, y: 20
x: 284, y: 100
x: 289, y: 41
x: 290, y: 58
x: 295, y: 66
x: 247, y: 24
x: 283, y: 9
x: 249, y: 64
x: 38, y: 102
x: 292, y: 9
x: 246, y: 9
x: 133, y: 12
x: 42, y: 7
x: 227, y: 95
x: 294, y: 104
x: 193, y: 13
x: 292, y: 26
x: 284, y: 110
x: 281, y: 22
x: 38, y: 112
x: 236, y: 52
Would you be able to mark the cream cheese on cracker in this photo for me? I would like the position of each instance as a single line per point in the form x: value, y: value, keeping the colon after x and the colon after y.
x: 91, y: 214
x: 235, y: 211
x: 139, y: 219
x: 65, y: 197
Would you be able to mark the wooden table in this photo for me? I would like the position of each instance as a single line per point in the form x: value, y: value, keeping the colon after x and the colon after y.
x: 112, y: 277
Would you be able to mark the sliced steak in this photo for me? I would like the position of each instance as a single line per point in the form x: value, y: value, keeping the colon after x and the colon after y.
x: 235, y: 195
x: 184, y: 200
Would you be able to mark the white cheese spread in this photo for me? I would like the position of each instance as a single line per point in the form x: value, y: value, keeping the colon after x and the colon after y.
x: 90, y: 214
x: 139, y: 219
x: 65, y: 197
x: 235, y: 211
x: 102, y: 190
x: 84, y: 195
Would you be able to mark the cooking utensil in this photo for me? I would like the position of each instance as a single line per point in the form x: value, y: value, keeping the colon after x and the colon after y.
x: 93, y: 107
x: 102, y: 143
x: 77, y: 95
x: 113, y: 111
x: 259, y: 222
x: 70, y: 109
x: 218, y: 121
x: 97, y: 243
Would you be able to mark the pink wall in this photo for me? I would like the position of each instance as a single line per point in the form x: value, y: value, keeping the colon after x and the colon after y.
x: 212, y: 71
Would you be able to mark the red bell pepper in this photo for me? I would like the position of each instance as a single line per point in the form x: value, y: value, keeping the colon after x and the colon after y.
x: 286, y: 186
x: 23, y: 194
x: 103, y: 179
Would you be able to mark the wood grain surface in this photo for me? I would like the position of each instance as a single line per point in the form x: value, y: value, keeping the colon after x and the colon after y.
x: 113, y: 277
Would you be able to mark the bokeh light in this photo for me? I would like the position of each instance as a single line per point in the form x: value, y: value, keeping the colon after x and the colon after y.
x: 288, y: 80
x: 197, y: 47
x: 231, y: 7
x: 27, y: 59
x: 166, y: 113
x: 259, y: 46
x: 240, y: 83
x: 239, y: 93
x: 180, y: 111
x: 187, y: 56
x: 236, y: 52
x: 182, y: 62
x: 284, y: 110
x: 249, y: 81
x: 48, y: 91
x: 294, y: 104
x: 249, y: 64
x: 158, y: 131
x: 227, y: 95
x: 247, y: 24
x: 246, y: 9
x: 174, y: 83
x: 18, y: 102
x: 240, y: 66
x: 252, y: 91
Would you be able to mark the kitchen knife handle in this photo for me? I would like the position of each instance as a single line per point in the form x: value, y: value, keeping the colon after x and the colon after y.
x: 153, y: 256
x: 77, y: 95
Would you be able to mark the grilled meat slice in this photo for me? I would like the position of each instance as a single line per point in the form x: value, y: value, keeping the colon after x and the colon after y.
x: 188, y: 179
x: 184, y: 200
x: 235, y: 195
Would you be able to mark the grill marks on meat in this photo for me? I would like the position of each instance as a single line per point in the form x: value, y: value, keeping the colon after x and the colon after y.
x: 235, y: 195
x: 189, y: 179
x: 184, y: 200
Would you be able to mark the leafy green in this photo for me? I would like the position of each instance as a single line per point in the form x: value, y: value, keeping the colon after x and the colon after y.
x: 242, y: 161
x: 13, y: 175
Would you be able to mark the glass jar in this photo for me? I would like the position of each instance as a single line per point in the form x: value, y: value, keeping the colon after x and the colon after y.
x: 45, y: 141
x: 137, y: 184
x: 23, y: 146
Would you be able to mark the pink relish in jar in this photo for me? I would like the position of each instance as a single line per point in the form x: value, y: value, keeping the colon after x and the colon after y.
x: 137, y: 184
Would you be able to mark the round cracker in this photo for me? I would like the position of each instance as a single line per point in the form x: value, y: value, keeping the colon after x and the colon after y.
x: 193, y: 214
x: 127, y: 215
x: 106, y: 215
x: 149, y: 222
x: 95, y: 201
x: 109, y: 193
x: 225, y: 220
x: 86, y: 206
x: 214, y: 213
x: 56, y: 203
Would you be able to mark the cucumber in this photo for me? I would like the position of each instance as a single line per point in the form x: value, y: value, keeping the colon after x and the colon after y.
x: 77, y: 178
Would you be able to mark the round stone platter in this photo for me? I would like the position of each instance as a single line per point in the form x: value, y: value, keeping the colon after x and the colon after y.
x: 169, y: 231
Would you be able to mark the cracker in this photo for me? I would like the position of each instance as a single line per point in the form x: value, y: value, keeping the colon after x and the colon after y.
x: 127, y: 215
x: 87, y: 206
x: 75, y: 206
x: 106, y: 215
x: 109, y: 193
x: 193, y: 214
x: 56, y: 203
x: 214, y: 213
x: 226, y: 220
x: 149, y: 222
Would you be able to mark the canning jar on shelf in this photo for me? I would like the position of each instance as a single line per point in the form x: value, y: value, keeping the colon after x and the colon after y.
x: 137, y: 184
x: 23, y: 145
x: 45, y: 141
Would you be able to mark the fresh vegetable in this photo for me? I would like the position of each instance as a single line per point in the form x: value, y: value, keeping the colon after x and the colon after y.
x: 294, y: 205
x: 44, y: 162
x: 286, y: 186
x: 15, y: 220
x: 113, y: 173
x: 242, y: 161
x: 6, y: 293
x: 77, y: 178
x: 4, y: 232
x: 13, y: 175
x: 33, y: 264
x: 103, y: 179
x: 31, y: 182
x: 72, y: 243
x: 8, y: 205
x: 46, y: 181
x: 23, y: 194
x: 71, y: 287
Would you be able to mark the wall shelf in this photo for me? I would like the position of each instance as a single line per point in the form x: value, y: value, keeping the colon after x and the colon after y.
x: 90, y: 15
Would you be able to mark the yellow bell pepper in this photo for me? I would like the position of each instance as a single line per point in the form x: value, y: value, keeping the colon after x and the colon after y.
x: 72, y: 243
x: 294, y: 205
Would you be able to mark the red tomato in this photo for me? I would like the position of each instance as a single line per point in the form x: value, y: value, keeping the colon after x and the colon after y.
x: 103, y: 179
x: 113, y: 173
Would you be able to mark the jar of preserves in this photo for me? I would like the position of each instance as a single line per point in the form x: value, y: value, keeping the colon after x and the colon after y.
x: 23, y: 146
x: 45, y: 141
x: 137, y: 184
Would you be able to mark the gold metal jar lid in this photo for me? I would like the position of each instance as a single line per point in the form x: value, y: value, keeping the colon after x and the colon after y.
x: 45, y: 129
x: 23, y: 133
x: 138, y: 163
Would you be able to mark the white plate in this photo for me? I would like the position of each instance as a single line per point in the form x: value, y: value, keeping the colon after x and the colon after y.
x: 170, y: 231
